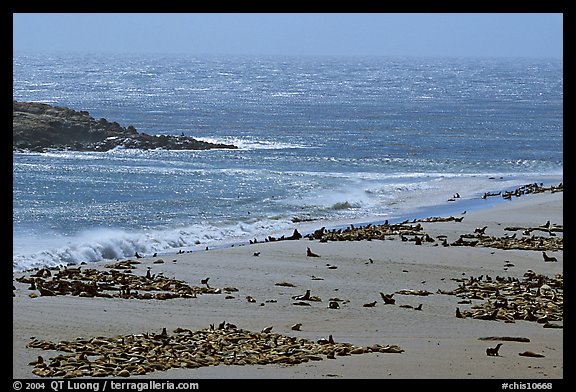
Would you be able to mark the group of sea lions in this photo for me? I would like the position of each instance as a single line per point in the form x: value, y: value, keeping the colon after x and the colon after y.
x: 366, y: 233
x: 295, y: 236
x: 414, y: 232
x: 119, y: 282
x: 138, y: 354
x: 525, y: 190
x: 510, y: 242
x: 536, y: 298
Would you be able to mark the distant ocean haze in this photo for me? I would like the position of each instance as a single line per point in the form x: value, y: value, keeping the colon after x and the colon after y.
x: 323, y: 140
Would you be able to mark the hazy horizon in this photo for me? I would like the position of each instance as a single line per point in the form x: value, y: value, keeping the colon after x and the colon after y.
x: 293, y: 34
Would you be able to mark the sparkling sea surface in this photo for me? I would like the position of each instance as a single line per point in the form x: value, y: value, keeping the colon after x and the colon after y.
x: 323, y: 140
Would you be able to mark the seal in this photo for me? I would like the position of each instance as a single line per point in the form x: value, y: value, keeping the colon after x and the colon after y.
x: 205, y: 281
x: 493, y: 351
x: 267, y: 329
x: 38, y: 361
x: 304, y: 297
x: 458, y: 314
x: 330, y: 340
x: 388, y: 300
x: 531, y: 354
x: 488, y: 316
x: 333, y: 305
x: 480, y: 230
x: 309, y: 253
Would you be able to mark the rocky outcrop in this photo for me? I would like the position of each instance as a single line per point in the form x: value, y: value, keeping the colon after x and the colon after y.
x: 39, y: 127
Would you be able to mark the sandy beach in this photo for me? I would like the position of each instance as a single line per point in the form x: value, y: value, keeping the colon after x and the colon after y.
x: 435, y: 343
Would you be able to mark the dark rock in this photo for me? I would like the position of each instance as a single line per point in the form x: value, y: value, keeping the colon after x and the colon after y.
x: 39, y: 127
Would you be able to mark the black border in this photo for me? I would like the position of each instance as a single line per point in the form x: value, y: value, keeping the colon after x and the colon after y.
x: 420, y: 6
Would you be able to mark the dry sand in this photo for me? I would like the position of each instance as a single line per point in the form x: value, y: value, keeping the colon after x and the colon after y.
x: 437, y: 344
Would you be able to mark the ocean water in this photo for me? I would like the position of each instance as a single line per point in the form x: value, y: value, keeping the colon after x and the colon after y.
x: 322, y: 140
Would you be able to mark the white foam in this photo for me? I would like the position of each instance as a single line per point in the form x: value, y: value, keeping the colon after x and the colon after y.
x: 245, y: 143
x: 110, y: 244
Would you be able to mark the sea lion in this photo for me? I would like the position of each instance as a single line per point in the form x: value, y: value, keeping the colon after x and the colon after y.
x: 370, y: 305
x: 205, y: 281
x: 38, y: 361
x: 488, y: 316
x: 267, y: 329
x: 552, y: 325
x: 296, y: 327
x: 458, y: 314
x: 330, y: 340
x: 295, y: 235
x: 309, y: 253
x: 531, y: 354
x: 548, y: 258
x: 388, y: 300
x: 302, y: 297
x: 493, y: 351
x: 480, y: 230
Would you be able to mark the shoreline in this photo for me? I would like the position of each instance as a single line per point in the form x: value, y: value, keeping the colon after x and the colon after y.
x: 468, y: 202
x: 436, y: 343
x: 306, y: 228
